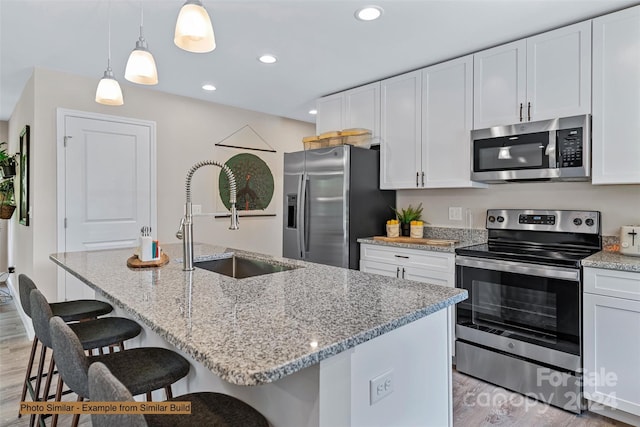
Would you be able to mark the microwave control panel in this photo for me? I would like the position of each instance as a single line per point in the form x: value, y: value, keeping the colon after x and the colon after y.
x: 569, y: 147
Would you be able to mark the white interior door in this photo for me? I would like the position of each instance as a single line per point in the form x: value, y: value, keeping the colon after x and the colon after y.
x: 108, y: 186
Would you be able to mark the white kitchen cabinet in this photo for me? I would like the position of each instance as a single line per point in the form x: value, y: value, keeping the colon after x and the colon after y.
x: 437, y: 268
x: 400, y: 131
x: 330, y: 113
x: 541, y: 77
x: 611, y: 324
x: 426, y: 117
x: 616, y: 98
x: 447, y: 119
x: 354, y: 108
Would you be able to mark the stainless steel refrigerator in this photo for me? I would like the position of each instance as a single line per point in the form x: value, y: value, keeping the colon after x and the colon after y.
x: 331, y: 198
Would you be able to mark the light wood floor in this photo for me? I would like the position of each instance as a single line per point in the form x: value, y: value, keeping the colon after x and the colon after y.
x: 476, y: 403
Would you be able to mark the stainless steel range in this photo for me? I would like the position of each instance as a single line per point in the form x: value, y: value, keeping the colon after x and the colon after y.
x: 521, y: 327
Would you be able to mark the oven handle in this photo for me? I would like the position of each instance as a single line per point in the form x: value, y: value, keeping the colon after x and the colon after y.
x: 520, y: 268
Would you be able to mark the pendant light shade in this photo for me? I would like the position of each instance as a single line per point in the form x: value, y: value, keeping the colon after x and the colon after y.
x: 141, y: 67
x: 109, y: 92
x: 194, y: 32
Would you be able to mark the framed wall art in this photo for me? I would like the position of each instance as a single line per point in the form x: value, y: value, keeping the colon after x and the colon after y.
x: 24, y: 176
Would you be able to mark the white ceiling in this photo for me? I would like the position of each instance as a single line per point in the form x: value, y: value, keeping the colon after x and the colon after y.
x: 321, y: 47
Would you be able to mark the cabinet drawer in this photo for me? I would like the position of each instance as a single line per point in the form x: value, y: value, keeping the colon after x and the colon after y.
x: 437, y: 261
x: 621, y: 284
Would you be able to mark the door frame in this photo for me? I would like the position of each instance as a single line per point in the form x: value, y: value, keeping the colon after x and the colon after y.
x: 61, y: 115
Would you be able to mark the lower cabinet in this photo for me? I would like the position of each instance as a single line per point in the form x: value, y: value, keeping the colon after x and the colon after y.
x: 611, y: 324
x: 437, y: 268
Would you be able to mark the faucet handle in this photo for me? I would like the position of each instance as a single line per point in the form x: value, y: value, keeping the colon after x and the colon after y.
x: 179, y: 233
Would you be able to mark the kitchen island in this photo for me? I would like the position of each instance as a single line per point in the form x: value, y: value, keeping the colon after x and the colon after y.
x: 312, y: 346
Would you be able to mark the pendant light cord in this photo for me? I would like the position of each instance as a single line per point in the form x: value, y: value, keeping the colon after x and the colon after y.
x: 141, y: 18
x: 109, y: 37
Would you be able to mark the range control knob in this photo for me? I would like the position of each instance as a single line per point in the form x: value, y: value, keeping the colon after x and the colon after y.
x: 577, y: 221
x: 492, y: 218
x: 500, y: 219
x: 589, y: 222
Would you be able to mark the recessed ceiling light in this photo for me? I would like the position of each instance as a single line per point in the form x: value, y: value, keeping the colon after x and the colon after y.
x: 268, y: 59
x: 313, y: 112
x: 208, y: 87
x: 368, y: 13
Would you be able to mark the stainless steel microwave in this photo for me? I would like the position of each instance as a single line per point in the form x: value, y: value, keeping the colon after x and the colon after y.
x: 547, y: 150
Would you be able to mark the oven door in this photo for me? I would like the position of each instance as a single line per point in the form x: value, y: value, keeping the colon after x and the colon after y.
x: 529, y: 310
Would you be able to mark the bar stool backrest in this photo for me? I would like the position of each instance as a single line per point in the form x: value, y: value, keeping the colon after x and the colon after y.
x: 26, y: 285
x: 105, y: 387
x: 71, y: 361
x: 41, y: 314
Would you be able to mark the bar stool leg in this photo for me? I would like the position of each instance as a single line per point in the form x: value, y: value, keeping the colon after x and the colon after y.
x: 58, y: 398
x: 43, y: 354
x: 32, y: 356
x: 76, y: 417
x: 148, y: 396
x: 168, y: 392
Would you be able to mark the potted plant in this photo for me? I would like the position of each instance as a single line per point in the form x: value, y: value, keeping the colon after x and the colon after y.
x: 405, y: 216
x: 7, y: 203
x: 7, y: 162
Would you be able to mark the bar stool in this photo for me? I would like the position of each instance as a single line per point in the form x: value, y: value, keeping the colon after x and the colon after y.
x: 92, y: 334
x: 69, y: 311
x: 207, y: 409
x: 141, y: 370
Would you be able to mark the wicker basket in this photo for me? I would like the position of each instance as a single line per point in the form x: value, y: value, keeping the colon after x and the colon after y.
x: 6, y: 211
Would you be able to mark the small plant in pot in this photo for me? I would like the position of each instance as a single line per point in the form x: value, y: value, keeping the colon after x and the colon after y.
x: 7, y: 203
x: 7, y: 162
x: 405, y: 216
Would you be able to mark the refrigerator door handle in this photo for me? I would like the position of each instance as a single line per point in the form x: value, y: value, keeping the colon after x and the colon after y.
x: 306, y: 214
x: 300, y: 219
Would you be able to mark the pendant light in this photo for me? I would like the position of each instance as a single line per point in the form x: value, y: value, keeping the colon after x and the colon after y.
x: 194, y: 32
x: 141, y: 67
x: 109, y: 92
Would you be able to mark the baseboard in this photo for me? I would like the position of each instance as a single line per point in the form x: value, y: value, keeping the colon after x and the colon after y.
x: 615, y: 414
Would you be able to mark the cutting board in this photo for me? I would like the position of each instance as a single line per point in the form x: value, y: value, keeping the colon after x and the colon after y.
x: 437, y: 242
x: 134, y: 262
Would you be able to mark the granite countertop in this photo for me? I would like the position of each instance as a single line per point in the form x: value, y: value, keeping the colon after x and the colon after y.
x: 612, y: 261
x: 257, y: 330
x: 464, y: 237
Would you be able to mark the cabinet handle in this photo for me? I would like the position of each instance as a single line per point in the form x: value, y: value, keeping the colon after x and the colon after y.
x: 417, y: 178
x: 521, y: 111
x: 403, y: 272
x: 398, y: 272
x: 401, y: 256
x: 528, y: 111
x: 423, y: 178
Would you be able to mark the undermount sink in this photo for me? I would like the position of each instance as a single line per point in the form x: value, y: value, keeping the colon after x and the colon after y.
x: 240, y: 268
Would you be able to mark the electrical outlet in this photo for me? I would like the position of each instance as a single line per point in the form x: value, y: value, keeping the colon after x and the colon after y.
x: 380, y: 386
x: 455, y: 214
x: 196, y: 209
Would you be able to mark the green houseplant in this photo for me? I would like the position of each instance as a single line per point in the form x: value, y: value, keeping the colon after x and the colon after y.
x: 405, y: 216
x: 7, y: 162
x: 7, y: 202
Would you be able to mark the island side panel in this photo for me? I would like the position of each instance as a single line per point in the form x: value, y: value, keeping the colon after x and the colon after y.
x: 417, y: 359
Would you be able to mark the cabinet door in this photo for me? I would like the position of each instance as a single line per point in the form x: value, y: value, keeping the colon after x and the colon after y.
x: 381, y: 268
x: 330, y: 113
x: 612, y: 352
x: 400, y: 131
x: 616, y: 98
x: 362, y: 109
x: 559, y: 73
x: 447, y: 119
x: 499, y: 85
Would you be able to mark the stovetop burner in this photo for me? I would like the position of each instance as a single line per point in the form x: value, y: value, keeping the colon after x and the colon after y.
x: 561, y: 238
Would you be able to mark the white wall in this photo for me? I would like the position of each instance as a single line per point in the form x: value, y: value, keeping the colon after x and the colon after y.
x: 619, y: 204
x: 187, y: 130
x: 4, y: 224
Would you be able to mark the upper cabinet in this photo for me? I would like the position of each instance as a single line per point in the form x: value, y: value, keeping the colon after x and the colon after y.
x: 400, y: 131
x: 616, y: 98
x: 426, y: 117
x: 542, y: 77
x: 354, y: 108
